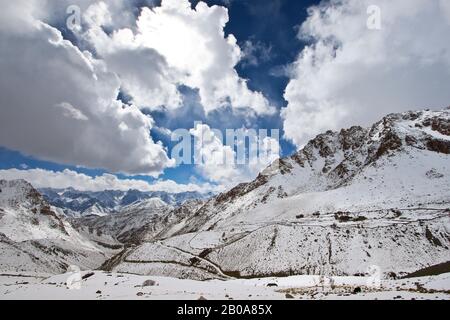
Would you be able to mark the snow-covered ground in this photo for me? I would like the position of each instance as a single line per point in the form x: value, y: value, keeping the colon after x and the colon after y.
x: 99, y: 285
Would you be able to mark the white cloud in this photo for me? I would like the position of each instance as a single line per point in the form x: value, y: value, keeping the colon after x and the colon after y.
x: 59, y: 104
x: 72, y: 112
x: 255, y: 52
x: 123, y: 12
x: 225, y: 164
x: 352, y: 75
x: 171, y: 45
x: 41, y: 178
x: 143, y: 72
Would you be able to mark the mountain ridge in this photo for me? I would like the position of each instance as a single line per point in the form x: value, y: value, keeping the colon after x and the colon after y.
x: 80, y: 203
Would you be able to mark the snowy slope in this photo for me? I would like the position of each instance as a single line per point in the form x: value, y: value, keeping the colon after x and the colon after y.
x: 346, y: 201
x: 111, y: 286
x: 34, y: 237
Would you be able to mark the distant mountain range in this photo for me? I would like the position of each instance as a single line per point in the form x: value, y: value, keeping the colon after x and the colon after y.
x: 81, y: 203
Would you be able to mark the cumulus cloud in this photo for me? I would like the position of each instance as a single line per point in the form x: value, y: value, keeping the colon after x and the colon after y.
x: 41, y: 178
x: 350, y: 74
x: 143, y: 72
x: 193, y: 41
x: 123, y: 12
x: 231, y: 163
x: 173, y: 44
x: 59, y: 103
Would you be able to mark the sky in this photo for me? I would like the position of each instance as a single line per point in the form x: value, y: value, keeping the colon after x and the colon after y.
x: 92, y: 91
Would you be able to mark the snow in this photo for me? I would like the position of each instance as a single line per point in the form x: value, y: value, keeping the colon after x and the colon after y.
x: 152, y: 203
x: 116, y: 286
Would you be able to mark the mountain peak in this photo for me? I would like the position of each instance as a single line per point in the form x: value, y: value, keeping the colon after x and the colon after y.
x: 340, y: 155
x: 13, y: 192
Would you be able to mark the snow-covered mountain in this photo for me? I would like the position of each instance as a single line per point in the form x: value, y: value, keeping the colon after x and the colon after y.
x: 81, y: 203
x: 127, y: 225
x: 346, y: 201
x: 34, y: 237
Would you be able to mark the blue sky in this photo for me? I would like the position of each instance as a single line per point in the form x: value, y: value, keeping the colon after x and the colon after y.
x: 92, y: 90
x: 266, y: 23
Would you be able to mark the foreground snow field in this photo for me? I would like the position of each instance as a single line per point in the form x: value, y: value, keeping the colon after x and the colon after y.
x: 99, y: 285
